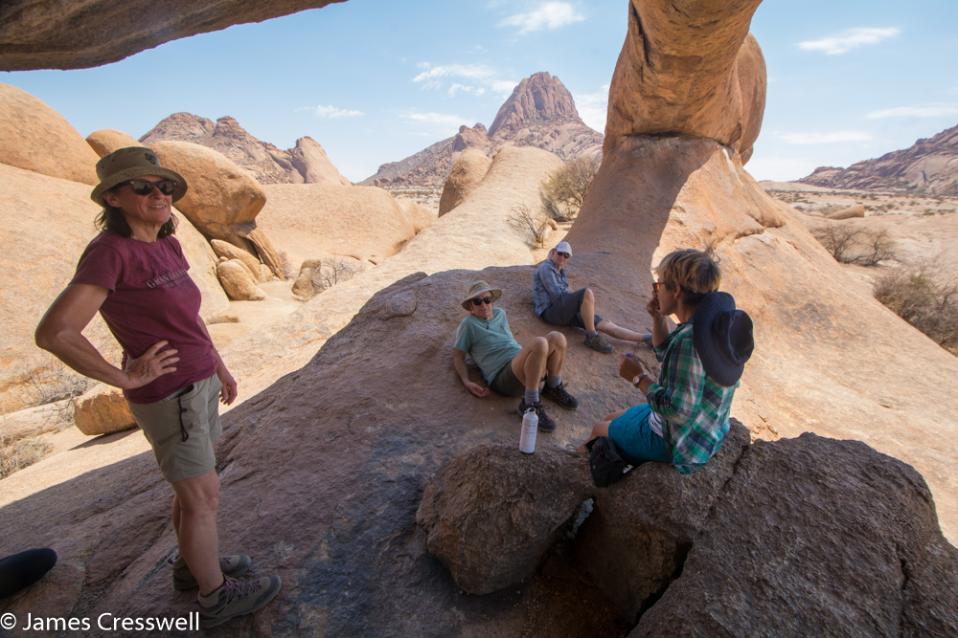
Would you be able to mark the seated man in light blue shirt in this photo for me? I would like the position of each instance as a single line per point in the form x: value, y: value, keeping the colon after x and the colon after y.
x: 555, y: 305
x: 508, y: 368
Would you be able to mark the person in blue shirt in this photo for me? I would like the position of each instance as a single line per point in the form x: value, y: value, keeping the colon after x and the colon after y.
x: 555, y: 305
x: 508, y: 368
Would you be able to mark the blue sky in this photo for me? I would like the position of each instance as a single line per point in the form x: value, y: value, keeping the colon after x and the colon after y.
x: 375, y: 81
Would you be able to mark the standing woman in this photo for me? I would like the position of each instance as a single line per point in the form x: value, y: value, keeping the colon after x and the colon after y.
x: 134, y: 273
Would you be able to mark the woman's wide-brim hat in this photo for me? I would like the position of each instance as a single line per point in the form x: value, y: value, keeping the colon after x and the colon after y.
x: 476, y: 289
x: 723, y: 337
x: 129, y: 163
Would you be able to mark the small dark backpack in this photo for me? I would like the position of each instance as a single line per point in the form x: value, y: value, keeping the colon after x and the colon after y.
x: 605, y: 462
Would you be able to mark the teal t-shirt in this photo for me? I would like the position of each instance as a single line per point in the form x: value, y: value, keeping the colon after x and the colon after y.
x: 489, y: 343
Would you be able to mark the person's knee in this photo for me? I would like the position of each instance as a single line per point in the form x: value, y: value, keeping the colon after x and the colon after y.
x: 588, y: 295
x: 201, y: 496
x: 556, y: 339
x: 540, y: 346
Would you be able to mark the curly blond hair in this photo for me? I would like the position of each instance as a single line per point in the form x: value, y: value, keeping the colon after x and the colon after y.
x: 696, y: 272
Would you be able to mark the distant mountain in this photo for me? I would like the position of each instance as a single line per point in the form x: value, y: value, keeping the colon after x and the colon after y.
x: 930, y: 167
x: 306, y: 162
x: 540, y: 112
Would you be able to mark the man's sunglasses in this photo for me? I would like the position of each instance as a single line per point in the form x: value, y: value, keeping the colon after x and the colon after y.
x: 144, y: 187
x: 482, y: 300
x: 566, y: 255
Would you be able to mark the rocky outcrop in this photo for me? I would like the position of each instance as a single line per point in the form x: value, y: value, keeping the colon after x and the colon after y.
x: 427, y: 169
x: 689, y: 70
x: 491, y: 514
x: 641, y: 529
x: 539, y: 113
x: 929, y: 166
x: 238, y: 281
x: 223, y: 200
x: 52, y: 225
x: 36, y: 138
x: 229, y: 251
x: 813, y: 533
x: 307, y: 162
x: 105, y: 141
x: 314, y: 221
x: 468, y: 169
x: 847, y: 212
x: 103, y: 410
x: 317, y: 275
x: 46, y: 34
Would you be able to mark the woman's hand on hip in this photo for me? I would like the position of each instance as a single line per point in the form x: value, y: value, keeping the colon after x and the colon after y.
x: 153, y: 363
x: 228, y: 392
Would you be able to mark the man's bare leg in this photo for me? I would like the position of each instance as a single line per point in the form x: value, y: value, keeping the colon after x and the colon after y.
x: 587, y: 310
x: 556, y: 357
x: 619, y: 332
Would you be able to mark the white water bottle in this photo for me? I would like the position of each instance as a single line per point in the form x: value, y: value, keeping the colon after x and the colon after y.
x: 527, y: 437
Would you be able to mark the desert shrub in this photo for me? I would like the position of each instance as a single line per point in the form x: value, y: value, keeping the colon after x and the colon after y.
x: 329, y: 272
x: 853, y: 246
x: 16, y: 455
x: 564, y: 189
x: 531, y: 223
x: 915, y: 296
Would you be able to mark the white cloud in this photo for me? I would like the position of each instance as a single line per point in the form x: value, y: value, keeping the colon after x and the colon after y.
x: 329, y: 111
x: 465, y: 88
x: 481, y: 78
x: 444, y: 120
x: 929, y: 110
x: 593, y: 107
x: 548, y: 15
x: 833, y: 137
x: 849, y: 39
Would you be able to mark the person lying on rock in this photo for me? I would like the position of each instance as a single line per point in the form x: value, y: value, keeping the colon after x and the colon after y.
x: 508, y: 368
x: 135, y: 275
x: 554, y: 304
x: 685, y: 418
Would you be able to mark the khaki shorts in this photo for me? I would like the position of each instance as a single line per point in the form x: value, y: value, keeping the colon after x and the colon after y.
x: 198, y: 405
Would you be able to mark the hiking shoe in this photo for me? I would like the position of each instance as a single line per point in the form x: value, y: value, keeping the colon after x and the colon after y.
x: 598, y: 343
x: 237, y: 598
x: 546, y: 424
x: 559, y: 395
x: 235, y: 565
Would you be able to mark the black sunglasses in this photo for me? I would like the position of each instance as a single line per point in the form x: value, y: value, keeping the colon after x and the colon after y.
x: 482, y: 300
x: 144, y: 187
x: 566, y: 255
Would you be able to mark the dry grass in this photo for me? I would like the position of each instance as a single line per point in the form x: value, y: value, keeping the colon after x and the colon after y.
x: 16, y: 455
x: 928, y: 305
x: 564, y: 190
x: 534, y: 225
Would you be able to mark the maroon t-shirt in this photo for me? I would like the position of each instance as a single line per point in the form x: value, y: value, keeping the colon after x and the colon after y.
x: 151, y: 298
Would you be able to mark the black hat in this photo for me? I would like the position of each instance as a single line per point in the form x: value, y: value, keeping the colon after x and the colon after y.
x: 723, y: 337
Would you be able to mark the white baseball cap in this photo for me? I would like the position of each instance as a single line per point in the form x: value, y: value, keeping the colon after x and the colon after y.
x: 564, y: 247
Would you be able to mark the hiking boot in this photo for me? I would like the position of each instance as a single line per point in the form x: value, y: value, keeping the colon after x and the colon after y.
x: 235, y: 565
x: 237, y: 598
x: 598, y: 343
x: 559, y: 395
x: 546, y: 424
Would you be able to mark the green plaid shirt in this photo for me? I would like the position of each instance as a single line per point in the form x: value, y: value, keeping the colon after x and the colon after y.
x: 694, y: 408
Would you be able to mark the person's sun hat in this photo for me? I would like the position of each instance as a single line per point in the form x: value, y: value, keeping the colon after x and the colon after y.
x: 129, y: 163
x: 564, y: 247
x: 476, y: 289
x: 723, y: 337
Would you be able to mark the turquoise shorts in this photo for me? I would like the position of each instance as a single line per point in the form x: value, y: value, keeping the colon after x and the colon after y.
x: 635, y: 439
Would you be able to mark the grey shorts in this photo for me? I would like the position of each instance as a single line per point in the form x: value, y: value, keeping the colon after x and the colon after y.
x: 191, y: 413
x: 506, y: 383
x: 565, y: 310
